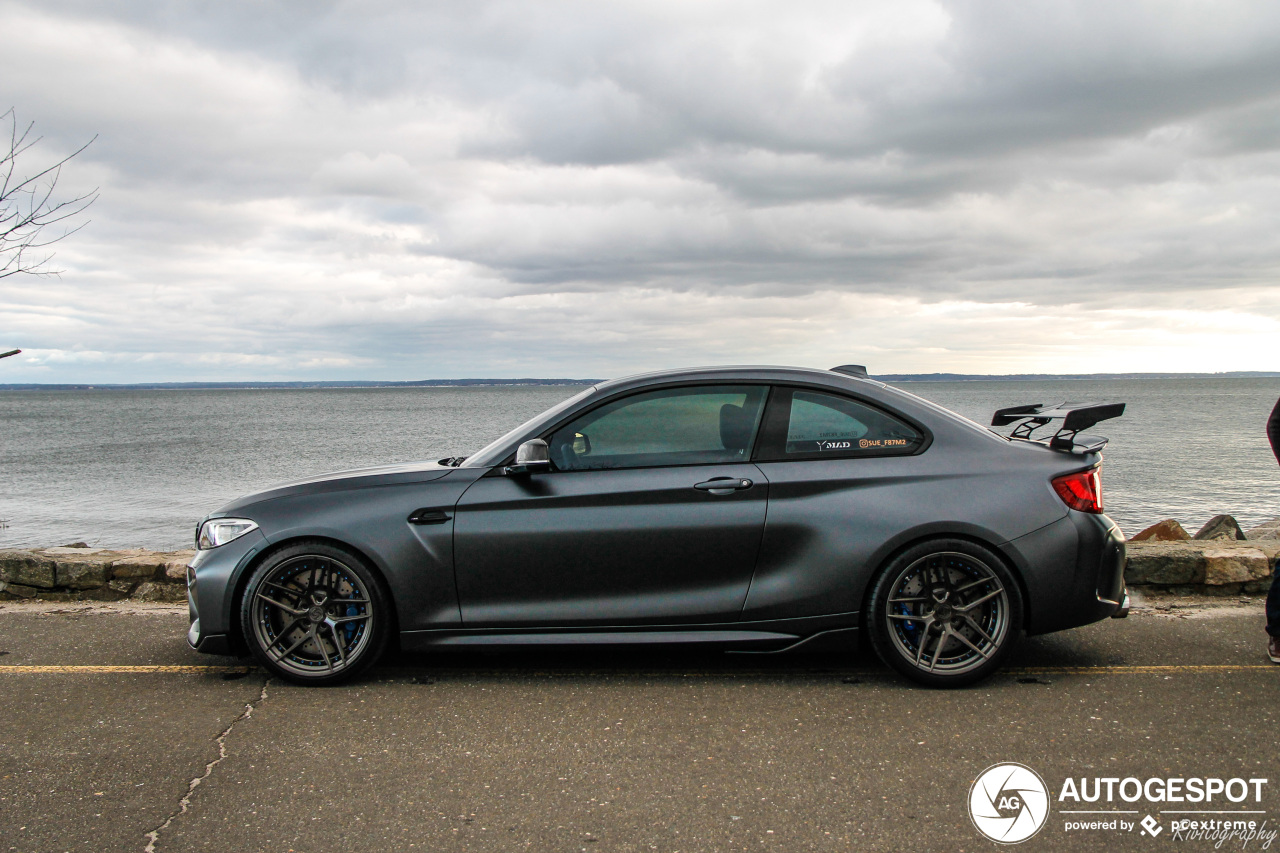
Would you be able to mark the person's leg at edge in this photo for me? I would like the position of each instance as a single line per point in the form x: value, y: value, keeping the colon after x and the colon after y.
x: 1273, y: 616
x: 1273, y: 595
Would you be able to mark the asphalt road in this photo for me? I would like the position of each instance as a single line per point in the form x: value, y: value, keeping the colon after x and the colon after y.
x: 666, y: 751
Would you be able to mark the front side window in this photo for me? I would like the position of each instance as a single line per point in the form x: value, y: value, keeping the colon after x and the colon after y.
x: 811, y: 425
x: 674, y: 426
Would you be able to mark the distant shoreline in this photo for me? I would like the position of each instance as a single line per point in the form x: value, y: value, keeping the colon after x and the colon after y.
x: 1040, y: 377
x: 468, y: 383
x: 354, y: 383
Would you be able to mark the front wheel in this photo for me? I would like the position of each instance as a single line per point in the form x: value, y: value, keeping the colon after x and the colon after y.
x: 945, y: 613
x: 314, y: 613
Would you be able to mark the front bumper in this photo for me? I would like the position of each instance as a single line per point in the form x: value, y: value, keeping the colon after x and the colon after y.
x: 212, y: 577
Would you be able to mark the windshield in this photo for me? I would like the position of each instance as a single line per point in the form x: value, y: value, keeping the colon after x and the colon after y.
x: 492, y: 453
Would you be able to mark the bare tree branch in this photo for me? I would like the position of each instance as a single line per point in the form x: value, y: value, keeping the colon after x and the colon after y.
x: 28, y: 206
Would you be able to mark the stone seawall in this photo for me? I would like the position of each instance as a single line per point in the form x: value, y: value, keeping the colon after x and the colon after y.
x: 1212, y: 567
x: 94, y: 574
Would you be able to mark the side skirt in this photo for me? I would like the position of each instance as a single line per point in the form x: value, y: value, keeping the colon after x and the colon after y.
x: 767, y: 637
x: 836, y: 639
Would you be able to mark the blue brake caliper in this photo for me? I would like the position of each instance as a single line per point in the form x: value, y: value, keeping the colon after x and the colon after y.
x: 909, y: 627
x: 350, y: 628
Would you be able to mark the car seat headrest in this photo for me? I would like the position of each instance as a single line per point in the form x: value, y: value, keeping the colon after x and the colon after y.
x: 735, y: 427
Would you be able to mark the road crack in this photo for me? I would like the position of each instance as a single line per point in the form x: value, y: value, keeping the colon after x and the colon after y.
x: 153, y: 837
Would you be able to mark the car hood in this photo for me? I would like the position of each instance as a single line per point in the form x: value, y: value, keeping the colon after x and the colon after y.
x: 358, y: 478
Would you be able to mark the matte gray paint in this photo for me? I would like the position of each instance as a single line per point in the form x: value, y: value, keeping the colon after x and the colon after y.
x: 619, y: 547
x: 567, y: 554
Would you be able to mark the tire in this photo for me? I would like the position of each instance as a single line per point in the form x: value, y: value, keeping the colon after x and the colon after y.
x: 315, y: 613
x: 945, y: 613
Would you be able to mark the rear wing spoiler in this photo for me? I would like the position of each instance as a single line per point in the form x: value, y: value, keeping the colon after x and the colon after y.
x: 1075, y: 417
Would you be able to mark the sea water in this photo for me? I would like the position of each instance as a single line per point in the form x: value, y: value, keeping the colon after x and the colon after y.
x: 134, y: 468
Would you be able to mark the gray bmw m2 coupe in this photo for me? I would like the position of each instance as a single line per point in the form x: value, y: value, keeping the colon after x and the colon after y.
x: 754, y: 508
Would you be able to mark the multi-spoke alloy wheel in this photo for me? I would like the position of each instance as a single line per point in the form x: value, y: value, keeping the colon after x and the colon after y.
x: 314, y: 614
x: 945, y: 613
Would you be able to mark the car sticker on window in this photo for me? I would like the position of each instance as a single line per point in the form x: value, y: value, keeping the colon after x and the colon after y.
x: 882, y: 442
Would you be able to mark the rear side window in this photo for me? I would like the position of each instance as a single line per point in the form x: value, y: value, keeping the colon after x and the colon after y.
x: 804, y: 424
x: 674, y: 426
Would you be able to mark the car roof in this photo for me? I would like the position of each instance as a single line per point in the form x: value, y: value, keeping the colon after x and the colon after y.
x: 768, y: 373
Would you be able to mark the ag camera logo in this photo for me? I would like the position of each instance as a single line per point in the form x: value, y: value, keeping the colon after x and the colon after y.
x: 1009, y: 803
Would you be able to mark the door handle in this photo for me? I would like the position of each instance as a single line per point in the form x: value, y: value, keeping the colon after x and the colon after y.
x: 723, y: 485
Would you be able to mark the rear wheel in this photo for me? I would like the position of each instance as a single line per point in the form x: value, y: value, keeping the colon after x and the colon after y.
x: 945, y: 613
x: 314, y: 613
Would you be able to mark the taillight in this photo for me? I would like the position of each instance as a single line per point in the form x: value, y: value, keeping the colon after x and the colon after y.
x: 1081, y: 491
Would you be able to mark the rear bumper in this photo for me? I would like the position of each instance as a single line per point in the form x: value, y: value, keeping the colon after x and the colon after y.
x: 1123, y: 610
x: 1074, y: 572
x: 1103, y: 553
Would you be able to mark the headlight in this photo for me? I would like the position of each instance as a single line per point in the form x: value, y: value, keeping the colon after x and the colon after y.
x: 220, y: 531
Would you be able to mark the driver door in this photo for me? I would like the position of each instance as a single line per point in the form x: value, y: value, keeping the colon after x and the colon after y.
x: 652, y: 514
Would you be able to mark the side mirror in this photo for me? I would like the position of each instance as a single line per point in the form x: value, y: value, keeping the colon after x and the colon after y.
x: 531, y: 457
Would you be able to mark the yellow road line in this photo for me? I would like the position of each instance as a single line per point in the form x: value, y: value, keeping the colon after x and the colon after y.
x: 1137, y: 670
x: 803, y: 673
x: 75, y: 669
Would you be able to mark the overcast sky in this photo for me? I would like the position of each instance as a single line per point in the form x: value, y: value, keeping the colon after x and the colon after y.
x: 439, y: 190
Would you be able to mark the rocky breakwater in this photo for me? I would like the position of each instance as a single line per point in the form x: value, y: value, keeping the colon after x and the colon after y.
x: 1220, y: 559
x: 81, y: 573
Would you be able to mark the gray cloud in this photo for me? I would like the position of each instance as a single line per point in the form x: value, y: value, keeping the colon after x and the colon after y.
x: 393, y: 190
